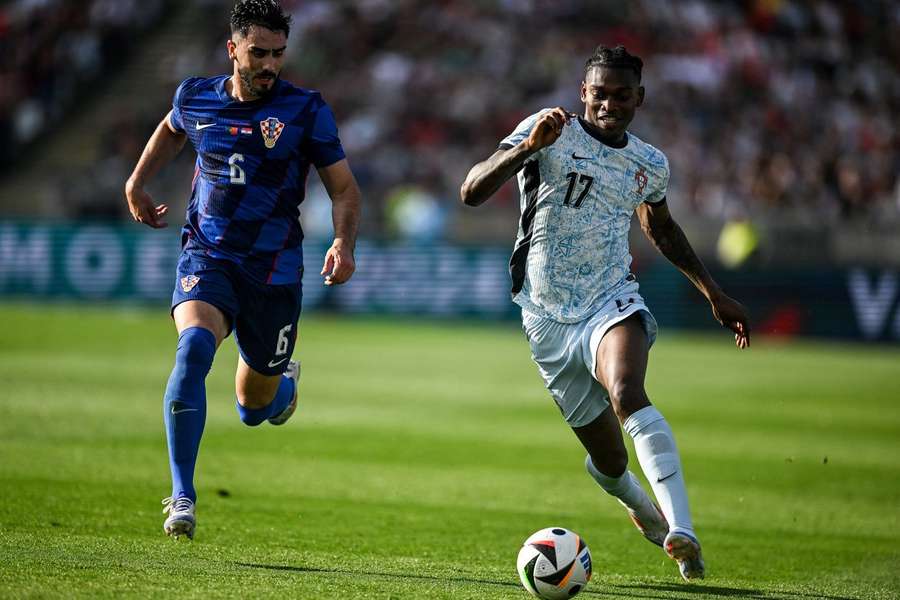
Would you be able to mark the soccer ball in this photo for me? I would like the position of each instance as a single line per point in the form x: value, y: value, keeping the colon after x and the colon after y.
x: 554, y: 564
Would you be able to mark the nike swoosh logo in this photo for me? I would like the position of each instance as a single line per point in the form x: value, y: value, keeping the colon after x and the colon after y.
x: 576, y: 157
x: 623, y: 306
x: 183, y: 410
x: 275, y: 364
x: 204, y: 125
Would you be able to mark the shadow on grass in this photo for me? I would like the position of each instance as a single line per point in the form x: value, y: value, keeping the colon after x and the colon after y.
x: 650, y: 590
x: 507, y: 584
x: 726, y: 592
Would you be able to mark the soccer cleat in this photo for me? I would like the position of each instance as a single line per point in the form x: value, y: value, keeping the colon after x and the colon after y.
x: 650, y: 521
x: 292, y: 371
x: 181, y: 520
x: 685, y: 550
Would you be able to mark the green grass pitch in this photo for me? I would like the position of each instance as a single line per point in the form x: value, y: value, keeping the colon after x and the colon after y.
x: 422, y: 456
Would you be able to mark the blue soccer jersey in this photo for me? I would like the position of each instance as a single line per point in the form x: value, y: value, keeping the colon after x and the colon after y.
x: 252, y: 162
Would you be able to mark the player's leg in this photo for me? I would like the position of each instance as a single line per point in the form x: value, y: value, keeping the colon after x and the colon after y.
x: 607, y: 463
x: 201, y: 328
x: 263, y: 397
x: 602, y: 438
x: 621, y: 365
x: 203, y: 308
x: 562, y: 353
x: 266, y: 331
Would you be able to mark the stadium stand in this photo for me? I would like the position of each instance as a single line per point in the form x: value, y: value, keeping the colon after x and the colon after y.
x: 782, y: 112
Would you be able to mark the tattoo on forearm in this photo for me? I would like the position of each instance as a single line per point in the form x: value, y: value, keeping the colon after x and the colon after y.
x: 487, y: 177
x: 504, y: 168
x: 673, y: 244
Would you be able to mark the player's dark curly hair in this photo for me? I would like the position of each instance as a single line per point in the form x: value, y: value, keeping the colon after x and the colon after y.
x: 616, y: 58
x: 263, y: 13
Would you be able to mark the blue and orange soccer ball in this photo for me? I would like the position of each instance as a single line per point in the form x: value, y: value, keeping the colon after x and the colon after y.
x: 554, y: 564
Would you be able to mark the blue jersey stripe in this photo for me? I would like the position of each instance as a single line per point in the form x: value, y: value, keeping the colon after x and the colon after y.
x: 252, y: 162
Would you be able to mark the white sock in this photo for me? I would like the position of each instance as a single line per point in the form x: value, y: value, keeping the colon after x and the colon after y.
x: 658, y: 455
x: 625, y: 487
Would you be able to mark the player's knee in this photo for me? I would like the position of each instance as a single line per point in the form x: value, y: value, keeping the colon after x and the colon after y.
x: 627, y: 397
x: 253, y: 400
x: 251, y: 410
x: 196, y: 348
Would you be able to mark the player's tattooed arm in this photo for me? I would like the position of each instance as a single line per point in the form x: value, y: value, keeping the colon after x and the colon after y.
x: 486, y: 177
x: 163, y: 146
x: 668, y: 237
x: 345, y: 207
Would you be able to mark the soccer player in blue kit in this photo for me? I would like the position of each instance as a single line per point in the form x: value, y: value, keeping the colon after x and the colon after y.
x: 241, y: 263
x: 581, y: 179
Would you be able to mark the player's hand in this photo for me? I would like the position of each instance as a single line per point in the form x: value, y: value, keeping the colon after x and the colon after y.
x: 339, y: 264
x: 142, y: 208
x: 548, y: 128
x: 732, y: 314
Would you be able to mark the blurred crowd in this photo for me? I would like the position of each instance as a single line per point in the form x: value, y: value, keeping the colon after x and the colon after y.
x: 53, y: 53
x: 785, y: 110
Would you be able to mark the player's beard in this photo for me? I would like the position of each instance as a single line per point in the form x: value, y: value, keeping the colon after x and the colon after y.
x: 247, y: 76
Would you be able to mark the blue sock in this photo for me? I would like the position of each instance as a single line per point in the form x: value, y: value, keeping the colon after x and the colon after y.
x: 184, y: 406
x: 283, y: 396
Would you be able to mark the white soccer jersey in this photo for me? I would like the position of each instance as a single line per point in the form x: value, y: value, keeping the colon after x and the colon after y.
x: 577, y: 199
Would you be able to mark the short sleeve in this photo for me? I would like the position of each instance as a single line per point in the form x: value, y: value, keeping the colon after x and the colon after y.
x: 522, y: 131
x: 324, y: 145
x: 176, y: 119
x: 661, y: 185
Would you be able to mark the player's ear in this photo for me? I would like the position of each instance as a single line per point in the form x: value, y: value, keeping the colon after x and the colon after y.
x: 583, y: 92
x: 640, y: 99
x: 232, y: 49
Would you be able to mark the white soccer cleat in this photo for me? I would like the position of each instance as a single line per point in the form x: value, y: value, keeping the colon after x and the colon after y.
x: 685, y: 550
x: 181, y: 519
x: 650, y: 521
x: 292, y: 371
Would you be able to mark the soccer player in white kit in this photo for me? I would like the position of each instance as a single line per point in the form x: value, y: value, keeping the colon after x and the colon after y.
x: 581, y: 179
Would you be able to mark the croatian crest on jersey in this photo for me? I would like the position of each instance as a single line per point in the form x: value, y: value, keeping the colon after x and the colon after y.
x: 271, y: 128
x: 188, y: 282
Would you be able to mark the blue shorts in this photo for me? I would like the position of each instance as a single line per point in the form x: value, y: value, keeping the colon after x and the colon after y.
x: 263, y: 317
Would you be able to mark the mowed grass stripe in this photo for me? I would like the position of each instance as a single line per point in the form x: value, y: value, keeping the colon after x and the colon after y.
x: 423, y: 455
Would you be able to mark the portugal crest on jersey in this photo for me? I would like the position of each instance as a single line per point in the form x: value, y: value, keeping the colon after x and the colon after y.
x: 640, y: 180
x: 271, y: 128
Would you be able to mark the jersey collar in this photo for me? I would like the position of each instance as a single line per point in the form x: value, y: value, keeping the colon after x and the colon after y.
x: 590, y: 130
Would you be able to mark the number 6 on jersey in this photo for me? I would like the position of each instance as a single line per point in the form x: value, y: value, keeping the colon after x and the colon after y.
x: 237, y: 173
x: 281, y: 347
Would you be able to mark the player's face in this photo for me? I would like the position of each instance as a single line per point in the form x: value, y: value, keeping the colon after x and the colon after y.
x: 258, y: 58
x: 610, y: 98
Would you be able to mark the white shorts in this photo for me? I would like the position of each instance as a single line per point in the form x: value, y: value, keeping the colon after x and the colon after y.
x: 566, y: 353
